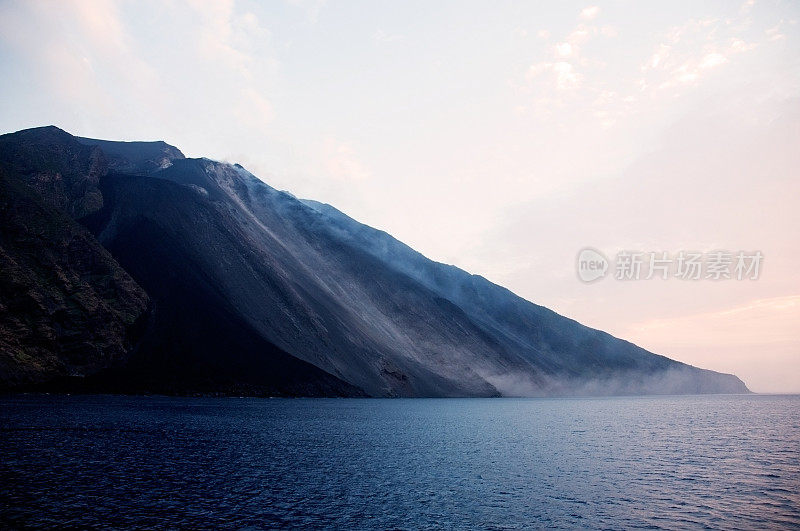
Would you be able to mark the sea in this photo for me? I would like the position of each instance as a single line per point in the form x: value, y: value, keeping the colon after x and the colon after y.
x: 673, y: 462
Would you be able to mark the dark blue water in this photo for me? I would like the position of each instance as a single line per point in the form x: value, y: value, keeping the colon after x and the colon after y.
x: 720, y: 462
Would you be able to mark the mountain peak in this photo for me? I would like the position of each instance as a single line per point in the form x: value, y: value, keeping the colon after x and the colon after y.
x: 136, y: 157
x: 44, y: 134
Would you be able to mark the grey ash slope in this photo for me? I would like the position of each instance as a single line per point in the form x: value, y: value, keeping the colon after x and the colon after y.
x: 245, y: 276
x: 368, y: 309
x: 565, y: 357
x: 249, y: 247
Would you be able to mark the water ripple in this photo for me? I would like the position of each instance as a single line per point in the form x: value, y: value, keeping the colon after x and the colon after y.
x: 139, y: 462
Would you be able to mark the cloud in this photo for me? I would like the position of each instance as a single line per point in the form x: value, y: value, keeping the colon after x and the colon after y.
x: 381, y: 36
x: 565, y: 79
x: 211, y: 71
x: 253, y: 109
x: 562, y: 74
x: 566, y: 76
x: 341, y: 162
x: 589, y: 13
x: 567, y: 57
x: 763, y: 320
x: 688, y: 51
x: 609, y: 31
x: 83, y: 51
x: 563, y: 49
x: 712, y: 60
x: 311, y: 8
x: 230, y: 39
x: 774, y: 33
x: 574, y: 80
x: 581, y: 34
x: 757, y: 340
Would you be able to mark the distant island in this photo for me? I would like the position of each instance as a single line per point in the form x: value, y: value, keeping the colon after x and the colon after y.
x: 126, y: 267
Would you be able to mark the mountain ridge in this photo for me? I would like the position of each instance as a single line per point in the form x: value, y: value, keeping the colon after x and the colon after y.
x: 304, y: 280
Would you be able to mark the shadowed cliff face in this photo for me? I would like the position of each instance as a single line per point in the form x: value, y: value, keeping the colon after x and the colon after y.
x: 66, y: 307
x: 250, y: 286
x: 64, y: 172
x: 138, y: 158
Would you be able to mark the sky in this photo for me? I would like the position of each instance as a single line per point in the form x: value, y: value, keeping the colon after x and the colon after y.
x: 502, y: 137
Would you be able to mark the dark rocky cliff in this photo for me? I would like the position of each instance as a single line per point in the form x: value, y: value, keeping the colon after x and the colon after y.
x: 66, y: 306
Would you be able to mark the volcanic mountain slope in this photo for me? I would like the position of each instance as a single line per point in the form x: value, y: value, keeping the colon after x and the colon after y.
x: 66, y: 307
x: 139, y: 158
x: 70, y: 315
x: 250, y: 284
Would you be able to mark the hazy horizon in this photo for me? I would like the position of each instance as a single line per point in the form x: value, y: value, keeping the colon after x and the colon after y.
x: 499, y: 140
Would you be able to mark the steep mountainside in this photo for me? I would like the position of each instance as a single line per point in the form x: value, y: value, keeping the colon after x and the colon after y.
x: 70, y: 315
x: 63, y: 171
x: 184, y: 254
x: 252, y: 287
x: 138, y: 158
x: 576, y: 359
x: 66, y: 307
x: 366, y: 308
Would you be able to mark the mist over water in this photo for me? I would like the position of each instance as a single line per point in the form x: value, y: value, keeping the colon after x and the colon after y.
x: 718, y: 461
